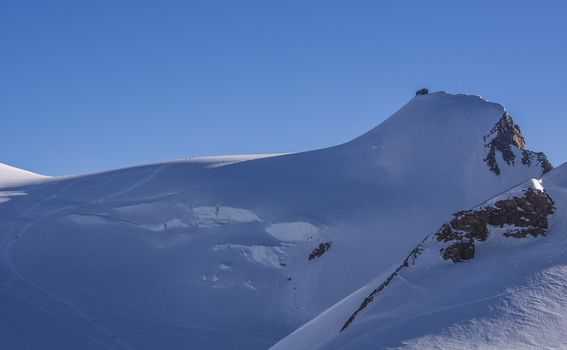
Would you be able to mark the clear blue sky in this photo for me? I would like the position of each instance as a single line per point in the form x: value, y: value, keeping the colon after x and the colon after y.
x: 94, y: 85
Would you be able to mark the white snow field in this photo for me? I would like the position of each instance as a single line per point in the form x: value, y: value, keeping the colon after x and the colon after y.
x: 238, y: 252
x: 10, y: 176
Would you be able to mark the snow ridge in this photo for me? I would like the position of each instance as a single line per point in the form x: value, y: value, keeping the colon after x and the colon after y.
x: 515, y: 217
x: 12, y: 177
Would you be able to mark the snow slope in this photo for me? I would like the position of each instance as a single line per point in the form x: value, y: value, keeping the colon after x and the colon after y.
x: 511, y: 295
x: 10, y: 176
x: 213, y: 253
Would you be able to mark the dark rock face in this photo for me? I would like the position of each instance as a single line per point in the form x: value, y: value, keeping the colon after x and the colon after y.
x: 503, y: 136
x: 320, y: 250
x: 545, y: 164
x: 526, y: 215
x: 540, y: 157
x: 420, y: 92
x: 459, y: 251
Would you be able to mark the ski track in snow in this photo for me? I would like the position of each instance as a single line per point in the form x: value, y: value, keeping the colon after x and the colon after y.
x: 7, y: 245
x: 12, y: 237
x: 158, y: 319
x: 152, y: 175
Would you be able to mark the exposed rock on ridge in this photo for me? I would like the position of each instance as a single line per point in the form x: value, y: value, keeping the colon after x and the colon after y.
x: 406, y: 263
x: 526, y: 215
x: 320, y: 250
x: 504, y: 135
x: 519, y: 215
x: 540, y: 157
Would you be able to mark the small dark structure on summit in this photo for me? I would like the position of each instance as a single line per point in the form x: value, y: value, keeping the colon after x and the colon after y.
x: 420, y: 92
x: 423, y: 91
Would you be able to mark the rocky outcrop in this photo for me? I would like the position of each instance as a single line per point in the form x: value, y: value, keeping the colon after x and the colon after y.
x: 522, y: 216
x: 528, y: 157
x: 320, y: 250
x: 463, y: 250
x: 519, y: 216
x: 504, y: 136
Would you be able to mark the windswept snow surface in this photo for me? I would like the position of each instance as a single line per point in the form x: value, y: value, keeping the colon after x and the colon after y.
x: 511, y: 295
x: 12, y: 177
x: 212, y: 253
x: 294, y: 231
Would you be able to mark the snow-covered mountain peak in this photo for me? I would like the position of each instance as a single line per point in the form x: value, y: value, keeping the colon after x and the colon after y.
x: 236, y: 252
x: 444, y: 111
x: 446, y: 138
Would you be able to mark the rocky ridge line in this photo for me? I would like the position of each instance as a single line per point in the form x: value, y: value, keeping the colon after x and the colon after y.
x: 521, y: 215
x: 504, y: 135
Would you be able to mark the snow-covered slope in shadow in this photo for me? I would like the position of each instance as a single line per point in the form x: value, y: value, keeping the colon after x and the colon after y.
x: 238, y: 252
x: 509, y: 291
